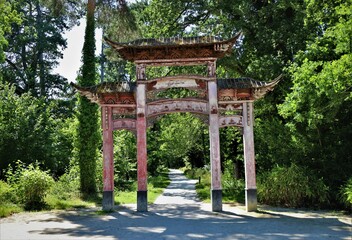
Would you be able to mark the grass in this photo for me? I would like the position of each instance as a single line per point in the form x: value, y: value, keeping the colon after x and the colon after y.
x: 156, y: 186
x: 233, y: 190
x: 68, y: 204
x: 7, y: 209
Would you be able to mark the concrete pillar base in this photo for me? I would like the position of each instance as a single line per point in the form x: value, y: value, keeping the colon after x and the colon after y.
x: 142, y: 201
x: 216, y: 200
x: 108, y: 200
x: 251, y: 200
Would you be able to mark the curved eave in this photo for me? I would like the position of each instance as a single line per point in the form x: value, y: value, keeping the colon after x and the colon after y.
x: 87, y: 92
x: 261, y: 90
x: 258, y: 88
x: 94, y: 93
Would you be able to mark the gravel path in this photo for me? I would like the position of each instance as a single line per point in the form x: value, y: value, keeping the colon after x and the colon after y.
x: 177, y: 214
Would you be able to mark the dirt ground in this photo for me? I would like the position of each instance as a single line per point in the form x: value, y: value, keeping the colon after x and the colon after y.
x: 177, y: 214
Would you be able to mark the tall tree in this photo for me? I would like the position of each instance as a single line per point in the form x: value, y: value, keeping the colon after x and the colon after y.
x: 34, y: 50
x: 88, y: 138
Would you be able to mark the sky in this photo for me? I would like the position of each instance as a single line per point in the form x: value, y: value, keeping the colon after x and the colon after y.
x: 71, y: 61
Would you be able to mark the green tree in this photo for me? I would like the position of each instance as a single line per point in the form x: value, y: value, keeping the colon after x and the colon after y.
x: 318, y: 107
x: 88, y: 137
x: 31, y: 132
x: 8, y: 16
x: 34, y: 50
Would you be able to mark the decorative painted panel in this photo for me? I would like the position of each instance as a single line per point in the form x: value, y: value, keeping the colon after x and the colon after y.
x: 228, y: 121
x: 163, y: 107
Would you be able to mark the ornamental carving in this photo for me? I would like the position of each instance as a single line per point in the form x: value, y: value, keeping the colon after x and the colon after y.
x: 171, y: 52
x: 140, y: 68
x: 228, y: 121
x: 156, y: 95
x: 177, y: 106
x: 123, y: 111
x: 211, y: 69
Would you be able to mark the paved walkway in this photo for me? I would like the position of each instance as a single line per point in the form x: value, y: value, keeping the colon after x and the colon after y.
x: 177, y: 214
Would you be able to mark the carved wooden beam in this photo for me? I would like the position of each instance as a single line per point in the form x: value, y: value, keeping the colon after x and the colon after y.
x: 176, y: 62
x: 124, y: 123
x: 177, y: 105
x: 231, y: 121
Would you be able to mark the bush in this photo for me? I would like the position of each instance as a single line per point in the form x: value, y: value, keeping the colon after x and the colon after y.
x: 7, y: 193
x: 67, y: 187
x: 292, y: 186
x: 346, y: 194
x: 232, y: 188
x: 32, y: 186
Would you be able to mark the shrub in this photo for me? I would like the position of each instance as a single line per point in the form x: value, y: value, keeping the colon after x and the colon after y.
x: 7, y: 193
x: 67, y: 187
x: 346, y: 194
x: 292, y: 186
x: 233, y: 189
x: 33, y: 185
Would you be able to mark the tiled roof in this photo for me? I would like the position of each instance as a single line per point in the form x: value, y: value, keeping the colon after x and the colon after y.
x: 239, y: 83
x: 173, y: 41
x: 108, y: 87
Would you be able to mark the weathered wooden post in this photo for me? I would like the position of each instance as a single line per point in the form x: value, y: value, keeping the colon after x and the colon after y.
x: 216, y: 191
x: 108, y: 155
x: 249, y: 161
x: 142, y: 196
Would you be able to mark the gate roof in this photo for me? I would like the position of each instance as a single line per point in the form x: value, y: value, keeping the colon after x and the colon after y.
x: 174, y: 48
x: 256, y: 89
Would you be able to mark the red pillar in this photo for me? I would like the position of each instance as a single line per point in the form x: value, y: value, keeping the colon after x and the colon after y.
x: 108, y: 159
x: 216, y: 190
x: 142, y: 199
x: 249, y: 160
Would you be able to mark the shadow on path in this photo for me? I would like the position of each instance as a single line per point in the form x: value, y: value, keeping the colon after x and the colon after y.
x: 176, y: 220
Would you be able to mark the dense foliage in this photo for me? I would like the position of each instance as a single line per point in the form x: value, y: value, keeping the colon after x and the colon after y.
x: 31, y: 130
x: 88, y: 138
x: 31, y: 184
x: 302, y: 130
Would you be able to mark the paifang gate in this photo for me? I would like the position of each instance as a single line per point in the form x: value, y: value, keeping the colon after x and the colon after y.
x: 219, y: 102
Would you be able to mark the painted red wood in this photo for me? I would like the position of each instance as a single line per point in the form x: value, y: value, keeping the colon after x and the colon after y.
x: 108, y: 149
x: 214, y: 137
x: 248, y: 145
x: 124, y: 123
x: 180, y: 105
x: 141, y: 138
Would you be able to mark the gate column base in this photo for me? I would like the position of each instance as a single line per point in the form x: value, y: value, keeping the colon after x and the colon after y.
x: 108, y: 200
x: 216, y: 200
x: 142, y: 201
x: 251, y: 200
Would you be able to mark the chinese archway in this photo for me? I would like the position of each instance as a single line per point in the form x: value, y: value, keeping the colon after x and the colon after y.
x: 136, y: 105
